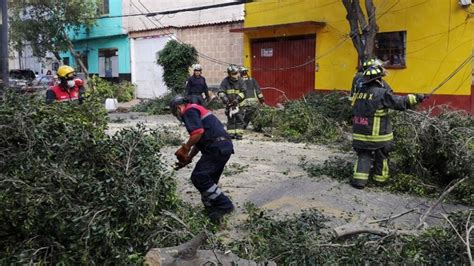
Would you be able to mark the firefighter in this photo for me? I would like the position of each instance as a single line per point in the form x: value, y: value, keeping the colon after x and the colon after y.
x: 69, y: 88
x: 253, y: 97
x: 232, y: 92
x: 208, y: 136
x: 358, y: 80
x: 372, y: 130
x: 196, y: 86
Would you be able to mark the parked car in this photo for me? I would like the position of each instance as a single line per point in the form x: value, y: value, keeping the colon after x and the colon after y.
x: 20, y: 78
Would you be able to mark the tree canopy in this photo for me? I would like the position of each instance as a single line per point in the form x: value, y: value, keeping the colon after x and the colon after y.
x: 44, y: 24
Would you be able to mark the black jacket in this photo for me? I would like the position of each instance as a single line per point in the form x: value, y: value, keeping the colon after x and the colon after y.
x: 232, y: 90
x: 371, y: 125
x: 197, y: 86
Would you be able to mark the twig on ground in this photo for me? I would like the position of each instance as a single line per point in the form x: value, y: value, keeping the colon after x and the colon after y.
x: 443, y: 195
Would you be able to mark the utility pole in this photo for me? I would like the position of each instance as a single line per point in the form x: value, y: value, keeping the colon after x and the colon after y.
x: 4, y: 41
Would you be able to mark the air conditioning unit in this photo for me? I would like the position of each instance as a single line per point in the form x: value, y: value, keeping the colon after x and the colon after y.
x: 465, y: 3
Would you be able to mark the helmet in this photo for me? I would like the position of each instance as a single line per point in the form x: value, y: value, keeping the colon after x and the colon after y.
x: 197, y: 67
x: 175, y: 102
x: 373, y: 72
x: 371, y: 62
x: 232, y: 69
x: 65, y: 72
x: 243, y: 69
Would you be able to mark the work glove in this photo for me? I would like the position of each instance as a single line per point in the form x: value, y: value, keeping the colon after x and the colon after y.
x: 178, y: 165
x: 261, y: 100
x: 182, y: 153
x: 420, y: 98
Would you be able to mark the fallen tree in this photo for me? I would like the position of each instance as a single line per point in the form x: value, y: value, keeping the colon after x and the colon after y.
x: 71, y: 194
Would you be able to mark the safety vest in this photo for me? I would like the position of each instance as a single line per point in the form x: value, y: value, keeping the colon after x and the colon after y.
x: 66, y: 95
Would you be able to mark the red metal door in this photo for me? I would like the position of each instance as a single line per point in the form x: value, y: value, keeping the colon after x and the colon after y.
x: 284, y: 67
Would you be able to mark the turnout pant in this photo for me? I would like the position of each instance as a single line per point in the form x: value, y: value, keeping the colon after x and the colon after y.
x: 249, y: 113
x: 205, y: 177
x: 235, y: 123
x: 371, y: 163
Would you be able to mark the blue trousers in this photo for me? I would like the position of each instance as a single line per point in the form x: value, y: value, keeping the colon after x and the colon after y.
x: 206, y: 175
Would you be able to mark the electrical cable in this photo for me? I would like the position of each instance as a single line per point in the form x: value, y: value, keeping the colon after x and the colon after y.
x: 450, y: 76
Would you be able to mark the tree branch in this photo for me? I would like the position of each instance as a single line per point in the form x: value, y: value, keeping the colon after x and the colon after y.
x: 443, y: 195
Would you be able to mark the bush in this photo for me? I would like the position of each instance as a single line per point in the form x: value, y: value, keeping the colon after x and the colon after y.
x: 312, y: 119
x: 176, y: 59
x: 158, y: 106
x: 70, y: 194
x: 102, y: 89
x: 302, y: 240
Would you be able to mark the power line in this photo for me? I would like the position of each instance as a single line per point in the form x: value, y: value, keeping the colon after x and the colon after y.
x: 169, y: 12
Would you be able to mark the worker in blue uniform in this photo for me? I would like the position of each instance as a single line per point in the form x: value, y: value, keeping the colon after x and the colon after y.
x: 208, y: 136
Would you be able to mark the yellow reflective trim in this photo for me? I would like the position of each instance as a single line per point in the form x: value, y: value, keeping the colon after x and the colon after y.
x: 385, y: 168
x: 380, y: 178
x: 260, y: 95
x: 361, y: 176
x: 232, y: 91
x: 381, y: 112
x: 376, y: 126
x: 411, y: 99
x: 241, y: 95
x: 368, y: 138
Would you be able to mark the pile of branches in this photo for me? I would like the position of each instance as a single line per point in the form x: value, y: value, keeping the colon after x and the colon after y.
x: 430, y: 153
x: 71, y: 194
x: 438, y: 149
x: 304, y: 239
x: 317, y: 118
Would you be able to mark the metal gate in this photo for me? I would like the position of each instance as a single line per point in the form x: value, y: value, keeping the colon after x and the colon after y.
x: 284, y: 67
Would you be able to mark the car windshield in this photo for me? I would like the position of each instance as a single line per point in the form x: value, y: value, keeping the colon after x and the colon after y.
x: 22, y: 74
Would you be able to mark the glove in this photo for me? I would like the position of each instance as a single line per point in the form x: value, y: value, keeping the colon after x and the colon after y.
x: 182, y: 153
x: 261, y: 100
x: 420, y: 98
x: 179, y: 165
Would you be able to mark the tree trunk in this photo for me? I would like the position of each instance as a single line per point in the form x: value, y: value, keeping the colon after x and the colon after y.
x: 371, y: 30
x: 362, y: 30
x: 188, y: 254
x: 56, y: 54
x: 78, y: 58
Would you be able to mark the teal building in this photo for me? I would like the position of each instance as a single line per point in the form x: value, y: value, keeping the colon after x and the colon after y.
x: 105, y: 47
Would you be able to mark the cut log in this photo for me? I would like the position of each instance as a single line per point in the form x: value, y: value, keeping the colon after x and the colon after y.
x: 187, y: 254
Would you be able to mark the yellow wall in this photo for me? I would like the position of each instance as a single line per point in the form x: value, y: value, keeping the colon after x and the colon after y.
x: 439, y: 39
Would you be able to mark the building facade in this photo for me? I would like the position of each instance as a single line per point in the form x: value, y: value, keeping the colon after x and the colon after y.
x: 104, y: 48
x: 294, y: 47
x: 208, y: 30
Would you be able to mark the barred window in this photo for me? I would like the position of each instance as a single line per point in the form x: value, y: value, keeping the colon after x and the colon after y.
x: 390, y: 47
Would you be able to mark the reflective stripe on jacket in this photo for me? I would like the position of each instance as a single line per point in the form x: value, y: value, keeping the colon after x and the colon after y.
x: 371, y: 125
x: 232, y: 89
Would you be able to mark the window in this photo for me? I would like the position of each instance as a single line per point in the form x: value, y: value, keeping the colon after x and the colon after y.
x: 104, y: 7
x: 390, y: 47
x: 108, y: 63
x: 66, y: 60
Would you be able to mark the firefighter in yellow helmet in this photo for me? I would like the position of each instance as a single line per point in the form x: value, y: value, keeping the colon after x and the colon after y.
x: 69, y: 88
x: 372, y: 136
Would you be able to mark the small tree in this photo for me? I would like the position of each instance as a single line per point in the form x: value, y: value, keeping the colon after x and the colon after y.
x: 363, y: 27
x: 176, y: 58
x: 44, y: 24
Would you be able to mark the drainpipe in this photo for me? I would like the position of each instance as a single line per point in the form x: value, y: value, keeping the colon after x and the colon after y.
x: 4, y: 41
